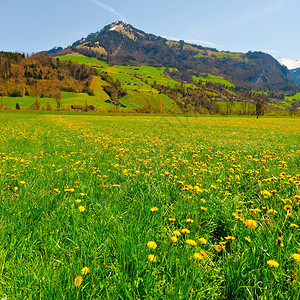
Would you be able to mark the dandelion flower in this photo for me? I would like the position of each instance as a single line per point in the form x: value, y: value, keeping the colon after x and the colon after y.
x: 218, y: 248
x: 296, y: 256
x: 172, y: 219
x: 153, y: 209
x: 203, y: 208
x: 223, y: 243
x: 177, y: 232
x: 174, y: 239
x: 77, y: 200
x: 198, y: 256
x: 231, y: 238
x: 251, y: 224
x: 202, y: 240
x: 189, y: 221
x: 294, y: 225
x: 203, y: 253
x: 85, y: 270
x: 78, y: 281
x: 152, y: 245
x: 81, y: 208
x: 272, y: 211
x: 266, y: 193
x: 191, y: 242
x: 152, y: 258
x: 22, y: 182
x: 288, y: 208
x: 185, y: 231
x: 273, y: 263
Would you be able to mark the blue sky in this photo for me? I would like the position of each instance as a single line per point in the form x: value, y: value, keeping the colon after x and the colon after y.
x: 269, y: 26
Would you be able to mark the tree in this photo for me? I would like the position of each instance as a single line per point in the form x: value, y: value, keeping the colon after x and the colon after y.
x: 260, y: 104
x: 57, y: 96
x: 36, y: 105
x: 49, y: 105
x: 160, y: 107
x: 293, y: 110
x: 2, y: 91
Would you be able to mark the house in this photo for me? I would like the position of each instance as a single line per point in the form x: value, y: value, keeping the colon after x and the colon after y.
x: 76, y: 107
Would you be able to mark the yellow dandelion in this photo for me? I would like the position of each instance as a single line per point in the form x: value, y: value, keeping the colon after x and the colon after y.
x: 191, y: 242
x: 77, y: 200
x: 218, y: 248
x: 254, y: 210
x: 185, y: 231
x: 272, y: 211
x: 203, y: 208
x: 273, y: 263
x: 22, y: 182
x: 174, y: 239
x: 251, y: 224
x: 81, y: 208
x: 248, y: 239
x: 203, y: 253
x: 202, y: 240
x: 288, y: 208
x: 294, y: 225
x: 172, y: 219
x: 152, y: 245
x: 78, y: 281
x: 223, y: 243
x: 152, y: 258
x: 266, y: 193
x: 85, y: 270
x: 296, y: 257
x: 153, y: 209
x: 189, y: 221
x: 177, y: 232
x: 198, y: 256
x: 290, y: 215
x: 231, y: 238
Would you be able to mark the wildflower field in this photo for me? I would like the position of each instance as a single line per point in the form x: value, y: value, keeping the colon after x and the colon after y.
x: 149, y: 207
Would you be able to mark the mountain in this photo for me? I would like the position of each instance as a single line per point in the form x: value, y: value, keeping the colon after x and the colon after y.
x: 289, y: 63
x: 295, y: 74
x: 120, y: 43
x: 54, y: 50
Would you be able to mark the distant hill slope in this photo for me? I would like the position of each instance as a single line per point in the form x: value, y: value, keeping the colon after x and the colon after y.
x: 121, y: 44
x: 295, y: 74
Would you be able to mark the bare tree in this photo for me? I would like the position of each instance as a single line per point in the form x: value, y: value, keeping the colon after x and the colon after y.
x: 57, y: 96
x: 260, y: 104
x: 294, y: 108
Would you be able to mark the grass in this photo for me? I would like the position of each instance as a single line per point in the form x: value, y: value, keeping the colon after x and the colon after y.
x: 213, y: 78
x: 83, y: 195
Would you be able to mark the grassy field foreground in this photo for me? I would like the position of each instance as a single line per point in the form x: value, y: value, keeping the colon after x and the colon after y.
x: 149, y: 207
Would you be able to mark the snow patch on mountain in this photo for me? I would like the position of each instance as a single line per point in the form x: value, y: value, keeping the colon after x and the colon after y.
x: 289, y: 63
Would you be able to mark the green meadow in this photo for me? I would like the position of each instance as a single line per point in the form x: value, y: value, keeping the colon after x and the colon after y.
x: 213, y: 78
x: 148, y: 207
